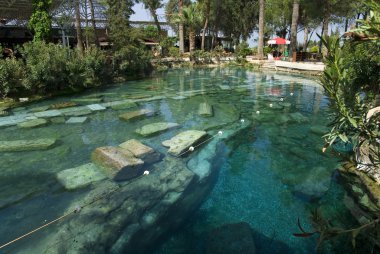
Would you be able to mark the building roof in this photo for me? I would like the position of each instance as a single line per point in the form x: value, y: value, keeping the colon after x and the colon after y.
x: 19, y: 9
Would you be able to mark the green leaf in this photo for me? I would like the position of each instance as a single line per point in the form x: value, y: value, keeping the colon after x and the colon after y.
x: 343, y: 137
x: 352, y: 121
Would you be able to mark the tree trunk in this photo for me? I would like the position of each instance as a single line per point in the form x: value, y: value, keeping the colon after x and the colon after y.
x: 205, y: 25
x: 346, y: 25
x: 325, y: 25
x: 260, y: 48
x: 305, y: 37
x: 192, y: 40
x: 154, y: 15
x: 87, y: 43
x: 93, y: 22
x: 78, y: 26
x: 180, y: 29
x: 293, y: 36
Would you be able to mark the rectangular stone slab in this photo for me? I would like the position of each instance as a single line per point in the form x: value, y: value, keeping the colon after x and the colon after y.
x: 181, y: 142
x: 79, y: 177
x: 48, y: 113
x: 26, y: 145
x: 205, y: 109
x: 139, y: 150
x: 33, y: 123
x: 96, y: 107
x: 76, y: 111
x: 118, y: 164
x: 136, y: 114
x: 75, y: 119
x: 155, y: 128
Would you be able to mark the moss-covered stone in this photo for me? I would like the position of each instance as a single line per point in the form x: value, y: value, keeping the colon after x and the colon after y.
x: 26, y: 145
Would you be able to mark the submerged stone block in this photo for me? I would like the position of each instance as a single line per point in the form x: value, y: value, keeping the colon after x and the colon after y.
x: 299, y: 118
x: 66, y: 104
x: 96, y: 107
x: 48, y: 113
x: 181, y: 143
x: 124, y: 105
x: 33, y: 123
x: 76, y: 111
x: 205, y: 109
x: 39, y: 109
x: 77, y: 120
x: 139, y: 150
x: 119, y: 164
x: 155, y: 128
x: 26, y: 145
x: 136, y: 114
x: 79, y: 177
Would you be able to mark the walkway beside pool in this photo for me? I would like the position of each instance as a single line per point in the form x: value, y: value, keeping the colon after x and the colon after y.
x: 313, y: 68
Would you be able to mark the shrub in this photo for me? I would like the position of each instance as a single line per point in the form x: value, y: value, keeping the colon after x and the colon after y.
x: 267, y: 50
x: 96, y: 69
x: 46, y: 67
x: 201, y: 57
x: 217, y: 52
x: 174, y: 52
x: 131, y: 59
x: 11, y: 76
x: 243, y: 50
x: 314, y: 49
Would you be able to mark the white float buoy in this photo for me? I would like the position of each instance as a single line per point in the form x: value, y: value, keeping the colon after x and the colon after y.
x: 291, y: 94
x: 271, y: 105
x: 282, y: 99
x: 146, y: 172
x: 191, y: 148
x: 257, y: 112
x: 242, y: 120
x: 220, y: 133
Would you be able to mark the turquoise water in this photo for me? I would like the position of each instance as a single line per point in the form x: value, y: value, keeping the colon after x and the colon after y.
x: 269, y: 176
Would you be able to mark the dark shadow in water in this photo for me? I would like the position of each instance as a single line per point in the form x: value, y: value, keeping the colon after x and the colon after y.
x: 266, y: 245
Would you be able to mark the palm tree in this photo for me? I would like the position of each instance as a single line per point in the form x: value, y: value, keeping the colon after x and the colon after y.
x: 191, y: 17
x: 293, y: 36
x: 260, y: 46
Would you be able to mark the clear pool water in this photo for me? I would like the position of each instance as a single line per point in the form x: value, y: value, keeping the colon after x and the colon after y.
x: 269, y: 176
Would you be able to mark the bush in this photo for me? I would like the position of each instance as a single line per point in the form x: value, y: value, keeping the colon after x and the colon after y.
x: 51, y: 68
x: 11, y: 75
x: 217, y: 52
x: 267, y: 50
x: 47, y: 67
x: 314, y: 49
x: 131, y: 59
x: 174, y: 52
x: 243, y: 50
x: 201, y: 57
x: 96, y: 69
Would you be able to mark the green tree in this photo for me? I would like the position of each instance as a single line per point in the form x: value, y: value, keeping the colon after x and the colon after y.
x: 128, y: 51
x: 191, y: 18
x: 40, y: 21
x: 173, y: 9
